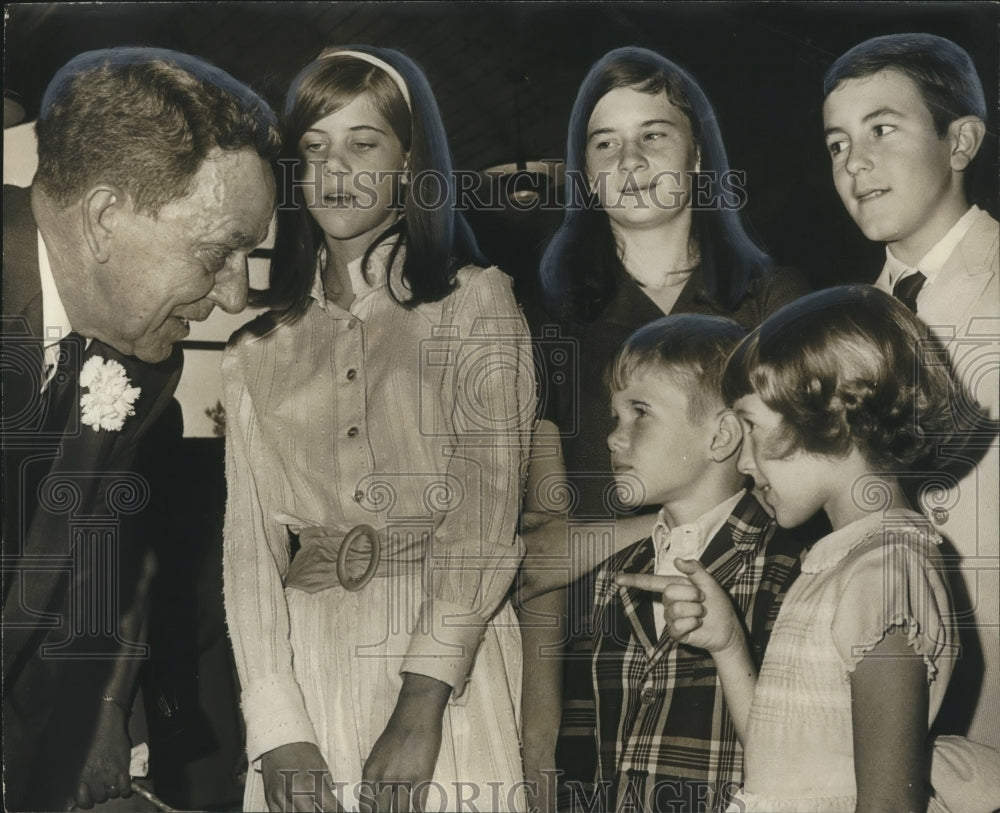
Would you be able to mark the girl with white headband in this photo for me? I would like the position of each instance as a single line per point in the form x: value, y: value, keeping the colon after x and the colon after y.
x: 378, y: 421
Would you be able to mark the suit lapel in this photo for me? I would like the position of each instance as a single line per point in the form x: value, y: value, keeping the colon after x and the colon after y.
x: 728, y: 553
x: 45, y: 485
x: 635, y: 603
x: 84, y: 461
x: 967, y: 273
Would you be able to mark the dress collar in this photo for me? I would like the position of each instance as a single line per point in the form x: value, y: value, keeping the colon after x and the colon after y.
x: 835, y: 546
x: 363, y: 284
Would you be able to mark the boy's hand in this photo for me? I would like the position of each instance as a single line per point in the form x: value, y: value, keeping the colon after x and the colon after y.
x: 697, y: 611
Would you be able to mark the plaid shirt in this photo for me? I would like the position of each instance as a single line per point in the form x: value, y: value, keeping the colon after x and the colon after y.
x: 665, y: 737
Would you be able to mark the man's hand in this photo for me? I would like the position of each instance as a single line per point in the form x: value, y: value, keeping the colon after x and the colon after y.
x: 697, y: 611
x: 296, y: 778
x: 402, y: 761
x: 105, y: 772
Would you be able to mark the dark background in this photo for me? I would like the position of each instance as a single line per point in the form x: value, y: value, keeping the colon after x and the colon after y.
x: 760, y: 63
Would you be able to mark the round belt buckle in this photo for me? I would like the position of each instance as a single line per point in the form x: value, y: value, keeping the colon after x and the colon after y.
x: 353, y: 535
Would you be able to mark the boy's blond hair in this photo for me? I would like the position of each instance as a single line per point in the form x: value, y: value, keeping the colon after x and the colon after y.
x: 690, y: 349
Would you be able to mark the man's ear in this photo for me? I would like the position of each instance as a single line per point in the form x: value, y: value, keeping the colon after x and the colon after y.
x: 966, y: 137
x: 727, y: 437
x: 101, y: 211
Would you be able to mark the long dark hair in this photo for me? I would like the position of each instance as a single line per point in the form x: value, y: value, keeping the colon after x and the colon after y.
x: 581, y: 266
x: 438, y: 240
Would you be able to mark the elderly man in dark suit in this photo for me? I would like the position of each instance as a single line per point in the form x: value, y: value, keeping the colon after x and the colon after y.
x: 154, y: 183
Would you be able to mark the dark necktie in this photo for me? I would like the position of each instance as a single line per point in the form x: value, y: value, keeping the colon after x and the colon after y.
x: 907, y: 288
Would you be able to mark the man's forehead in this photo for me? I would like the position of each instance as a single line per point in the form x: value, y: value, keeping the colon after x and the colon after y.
x: 232, y: 173
x: 232, y: 198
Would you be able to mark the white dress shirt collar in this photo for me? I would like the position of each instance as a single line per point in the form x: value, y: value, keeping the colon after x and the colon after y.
x: 687, y: 541
x: 933, y: 261
x: 55, y: 322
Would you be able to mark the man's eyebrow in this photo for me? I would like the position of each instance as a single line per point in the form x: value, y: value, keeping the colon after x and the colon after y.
x: 240, y: 239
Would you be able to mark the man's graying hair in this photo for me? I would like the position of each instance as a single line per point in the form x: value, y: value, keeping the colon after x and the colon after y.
x: 144, y: 119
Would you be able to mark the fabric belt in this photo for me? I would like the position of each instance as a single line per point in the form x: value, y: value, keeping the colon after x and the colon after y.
x: 328, y: 557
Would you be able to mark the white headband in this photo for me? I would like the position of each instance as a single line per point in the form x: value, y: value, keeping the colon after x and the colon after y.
x: 395, y: 75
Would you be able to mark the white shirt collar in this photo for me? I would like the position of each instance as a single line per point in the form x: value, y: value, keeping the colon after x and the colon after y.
x: 55, y: 322
x: 703, y: 529
x: 687, y: 541
x: 933, y: 261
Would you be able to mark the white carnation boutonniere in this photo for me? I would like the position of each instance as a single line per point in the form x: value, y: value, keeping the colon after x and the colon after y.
x: 111, y: 397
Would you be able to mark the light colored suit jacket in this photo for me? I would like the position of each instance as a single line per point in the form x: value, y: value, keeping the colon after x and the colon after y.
x: 962, y: 309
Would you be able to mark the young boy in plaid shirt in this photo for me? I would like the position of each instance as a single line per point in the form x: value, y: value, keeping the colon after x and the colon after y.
x: 665, y: 738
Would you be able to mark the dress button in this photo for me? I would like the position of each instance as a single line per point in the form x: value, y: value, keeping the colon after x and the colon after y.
x: 352, y: 432
x: 353, y: 323
x: 648, y: 695
x: 359, y: 495
x: 352, y: 374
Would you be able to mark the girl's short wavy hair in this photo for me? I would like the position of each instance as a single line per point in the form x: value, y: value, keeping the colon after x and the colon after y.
x: 849, y: 367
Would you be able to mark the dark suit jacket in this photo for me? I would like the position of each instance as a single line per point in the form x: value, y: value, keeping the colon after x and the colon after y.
x: 68, y: 571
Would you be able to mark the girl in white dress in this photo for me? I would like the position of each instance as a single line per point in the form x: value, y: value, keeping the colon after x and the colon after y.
x: 378, y: 422
x: 840, y: 396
